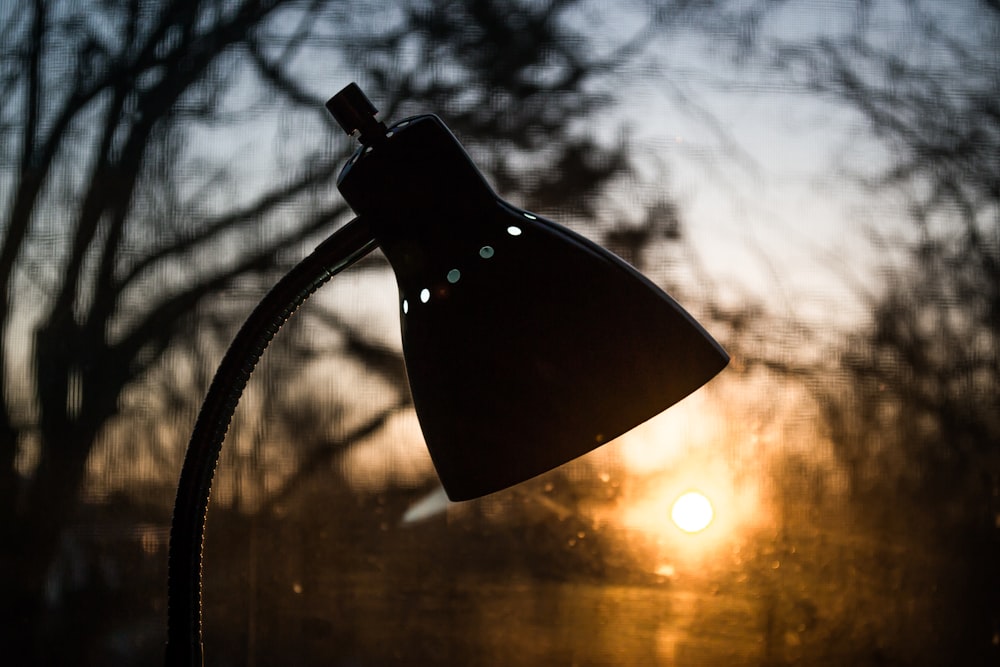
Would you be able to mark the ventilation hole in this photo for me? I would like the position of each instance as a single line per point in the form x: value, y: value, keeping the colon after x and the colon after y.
x: 425, y: 295
x: 389, y: 134
x: 530, y: 217
x: 486, y: 252
x: 406, y: 306
x: 514, y: 230
x: 454, y: 276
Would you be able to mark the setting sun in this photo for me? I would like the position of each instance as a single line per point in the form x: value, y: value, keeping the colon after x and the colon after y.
x: 692, y: 512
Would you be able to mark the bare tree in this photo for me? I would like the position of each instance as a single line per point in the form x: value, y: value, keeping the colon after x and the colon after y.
x: 916, y: 418
x: 106, y: 208
x: 129, y: 211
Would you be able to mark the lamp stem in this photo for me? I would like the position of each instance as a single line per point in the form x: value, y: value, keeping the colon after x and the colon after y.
x: 187, y: 531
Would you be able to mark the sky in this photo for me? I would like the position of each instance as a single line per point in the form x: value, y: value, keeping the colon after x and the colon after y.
x: 754, y: 165
x: 762, y: 174
x: 765, y: 176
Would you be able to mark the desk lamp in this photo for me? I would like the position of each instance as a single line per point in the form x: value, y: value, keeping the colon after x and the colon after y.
x: 526, y: 345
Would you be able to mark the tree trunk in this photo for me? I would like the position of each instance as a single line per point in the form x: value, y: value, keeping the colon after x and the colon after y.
x: 34, y: 546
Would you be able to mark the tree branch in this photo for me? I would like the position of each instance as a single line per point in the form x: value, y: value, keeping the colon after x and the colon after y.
x: 159, y: 325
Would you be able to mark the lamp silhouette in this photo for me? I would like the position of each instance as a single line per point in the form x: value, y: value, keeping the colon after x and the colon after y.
x: 526, y: 345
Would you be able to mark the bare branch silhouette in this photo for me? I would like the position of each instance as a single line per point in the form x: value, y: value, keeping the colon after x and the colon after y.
x: 125, y: 213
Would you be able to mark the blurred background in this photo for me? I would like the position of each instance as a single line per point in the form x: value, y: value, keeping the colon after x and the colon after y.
x: 817, y: 182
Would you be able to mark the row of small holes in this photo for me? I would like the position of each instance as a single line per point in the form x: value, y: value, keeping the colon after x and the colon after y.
x: 486, y: 252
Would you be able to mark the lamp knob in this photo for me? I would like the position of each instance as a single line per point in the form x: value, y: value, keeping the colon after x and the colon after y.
x: 355, y: 113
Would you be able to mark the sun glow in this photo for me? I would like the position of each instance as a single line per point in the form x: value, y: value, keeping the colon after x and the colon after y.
x: 692, y: 512
x: 704, y: 446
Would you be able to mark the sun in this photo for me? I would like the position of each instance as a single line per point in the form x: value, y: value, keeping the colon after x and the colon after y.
x: 692, y: 512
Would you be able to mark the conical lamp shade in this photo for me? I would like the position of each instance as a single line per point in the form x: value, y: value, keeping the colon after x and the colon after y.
x: 526, y: 345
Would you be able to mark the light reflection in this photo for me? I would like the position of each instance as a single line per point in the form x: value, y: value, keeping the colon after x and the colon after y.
x: 666, y: 570
x: 434, y: 503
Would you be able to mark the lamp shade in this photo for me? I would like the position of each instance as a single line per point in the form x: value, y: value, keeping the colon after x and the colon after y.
x: 526, y: 345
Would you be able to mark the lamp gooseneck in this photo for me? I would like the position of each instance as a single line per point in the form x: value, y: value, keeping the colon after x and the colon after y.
x: 187, y: 530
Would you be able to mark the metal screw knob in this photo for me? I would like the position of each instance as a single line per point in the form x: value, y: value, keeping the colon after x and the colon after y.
x: 355, y: 113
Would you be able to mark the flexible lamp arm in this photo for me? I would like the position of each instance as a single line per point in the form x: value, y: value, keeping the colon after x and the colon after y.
x: 187, y: 530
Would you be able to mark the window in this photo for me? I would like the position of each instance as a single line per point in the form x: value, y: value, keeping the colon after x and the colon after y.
x: 816, y: 183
